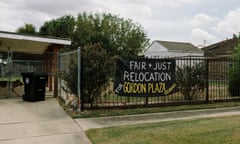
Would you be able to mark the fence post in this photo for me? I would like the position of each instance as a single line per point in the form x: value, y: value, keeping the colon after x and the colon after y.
x: 207, y: 78
x: 59, y: 74
x: 80, y: 103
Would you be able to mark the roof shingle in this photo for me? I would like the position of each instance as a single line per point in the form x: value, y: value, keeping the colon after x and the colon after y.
x: 179, y: 46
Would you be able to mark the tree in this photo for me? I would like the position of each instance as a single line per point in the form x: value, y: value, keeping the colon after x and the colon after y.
x: 61, y: 27
x: 27, y: 29
x: 102, y: 37
x: 234, y: 76
x: 118, y: 36
x: 96, y: 71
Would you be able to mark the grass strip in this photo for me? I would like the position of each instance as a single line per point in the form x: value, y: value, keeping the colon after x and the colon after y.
x: 198, y: 131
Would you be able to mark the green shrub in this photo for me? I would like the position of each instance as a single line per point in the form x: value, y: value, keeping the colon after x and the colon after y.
x: 191, y: 80
x: 96, y: 71
x: 234, y: 73
x: 234, y: 79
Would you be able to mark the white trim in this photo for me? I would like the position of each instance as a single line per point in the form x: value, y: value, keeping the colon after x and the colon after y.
x: 33, y: 38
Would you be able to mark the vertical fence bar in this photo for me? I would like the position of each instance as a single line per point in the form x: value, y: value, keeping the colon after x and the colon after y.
x: 80, y: 103
x: 58, y: 73
x: 207, y: 84
x: 146, y: 101
x: 10, y: 70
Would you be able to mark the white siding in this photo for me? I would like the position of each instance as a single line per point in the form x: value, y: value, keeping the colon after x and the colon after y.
x: 157, y: 50
x: 154, y: 49
x: 171, y: 54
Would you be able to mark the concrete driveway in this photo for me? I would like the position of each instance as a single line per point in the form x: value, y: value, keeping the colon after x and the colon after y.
x: 43, y: 122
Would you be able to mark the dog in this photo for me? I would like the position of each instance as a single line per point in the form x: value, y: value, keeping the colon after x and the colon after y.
x: 4, y: 85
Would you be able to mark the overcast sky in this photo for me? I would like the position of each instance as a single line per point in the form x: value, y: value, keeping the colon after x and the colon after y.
x: 192, y: 21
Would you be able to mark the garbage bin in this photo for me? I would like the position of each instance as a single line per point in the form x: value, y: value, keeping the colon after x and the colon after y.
x: 34, y: 86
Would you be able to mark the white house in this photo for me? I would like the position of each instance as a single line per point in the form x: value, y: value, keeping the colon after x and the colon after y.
x: 167, y: 49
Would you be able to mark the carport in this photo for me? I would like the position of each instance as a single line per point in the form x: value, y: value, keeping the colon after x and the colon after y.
x: 18, y: 48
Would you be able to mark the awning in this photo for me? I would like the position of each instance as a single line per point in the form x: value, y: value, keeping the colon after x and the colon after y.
x: 28, y: 44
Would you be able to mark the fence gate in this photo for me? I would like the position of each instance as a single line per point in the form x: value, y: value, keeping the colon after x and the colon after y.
x: 67, y: 61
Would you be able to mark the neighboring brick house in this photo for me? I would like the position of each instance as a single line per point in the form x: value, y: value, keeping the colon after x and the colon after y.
x: 221, y: 49
x: 163, y: 49
x: 218, y: 56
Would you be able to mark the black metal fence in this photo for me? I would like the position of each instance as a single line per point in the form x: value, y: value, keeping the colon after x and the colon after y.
x: 215, y: 88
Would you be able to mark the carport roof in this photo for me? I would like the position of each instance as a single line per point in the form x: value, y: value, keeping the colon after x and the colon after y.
x: 28, y: 44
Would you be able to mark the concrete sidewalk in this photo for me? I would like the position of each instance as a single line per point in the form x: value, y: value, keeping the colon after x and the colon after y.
x: 43, y: 122
x: 90, y: 123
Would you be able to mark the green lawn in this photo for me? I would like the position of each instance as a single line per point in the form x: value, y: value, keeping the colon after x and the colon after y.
x: 224, y: 130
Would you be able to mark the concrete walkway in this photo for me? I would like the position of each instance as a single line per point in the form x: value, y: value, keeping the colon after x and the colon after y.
x: 90, y: 123
x: 43, y: 122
